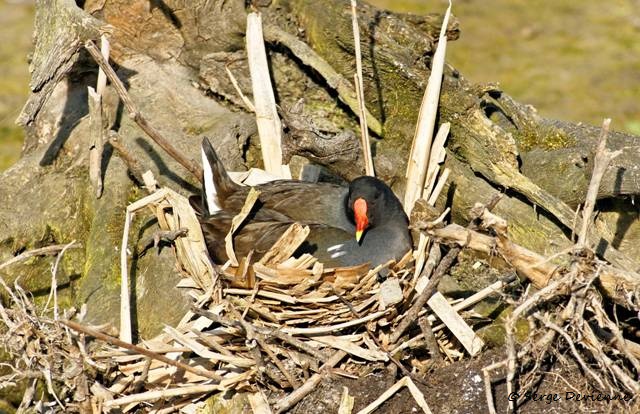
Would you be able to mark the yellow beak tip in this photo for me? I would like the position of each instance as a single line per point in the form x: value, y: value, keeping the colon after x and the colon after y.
x: 358, y: 235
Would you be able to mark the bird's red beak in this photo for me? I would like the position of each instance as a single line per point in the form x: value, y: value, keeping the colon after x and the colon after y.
x: 360, y: 215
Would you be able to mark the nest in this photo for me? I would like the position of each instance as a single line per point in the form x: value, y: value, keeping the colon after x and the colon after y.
x: 268, y: 326
x: 276, y: 327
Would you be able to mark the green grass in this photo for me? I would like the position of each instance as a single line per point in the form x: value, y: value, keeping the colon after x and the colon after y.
x: 577, y: 61
x: 16, y: 27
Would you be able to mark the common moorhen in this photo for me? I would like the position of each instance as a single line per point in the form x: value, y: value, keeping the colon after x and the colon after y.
x: 361, y: 223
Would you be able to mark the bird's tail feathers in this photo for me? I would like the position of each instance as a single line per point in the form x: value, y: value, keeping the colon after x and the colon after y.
x: 216, y: 183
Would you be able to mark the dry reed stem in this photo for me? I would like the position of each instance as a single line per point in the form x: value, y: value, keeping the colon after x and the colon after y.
x: 96, y: 146
x: 421, y: 147
x: 359, y: 83
x: 365, y: 144
x: 463, y: 332
x: 160, y: 394
x: 140, y: 350
x: 264, y: 101
x: 237, y: 221
x: 105, y: 48
x: 346, y: 402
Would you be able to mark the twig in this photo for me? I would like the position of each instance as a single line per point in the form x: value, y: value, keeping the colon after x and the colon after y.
x: 42, y: 251
x: 252, y: 334
x: 293, y: 398
x: 602, y: 160
x: 54, y: 282
x: 429, y: 290
x: 265, y: 331
x: 319, y: 330
x: 135, y: 114
x: 143, y: 351
x: 572, y: 346
x: 234, y: 82
x: 551, y: 289
x: 429, y: 338
x: 132, y: 164
x: 168, y: 236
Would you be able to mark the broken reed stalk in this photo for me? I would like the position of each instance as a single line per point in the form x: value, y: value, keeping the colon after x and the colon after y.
x: 346, y: 402
x: 258, y: 403
x: 421, y: 147
x: 600, y: 164
x: 359, y: 83
x: 126, y: 331
x: 105, y: 47
x: 140, y: 350
x: 436, y: 157
x: 454, y: 322
x: 96, y: 146
x: 237, y: 221
x: 135, y: 114
x: 264, y: 101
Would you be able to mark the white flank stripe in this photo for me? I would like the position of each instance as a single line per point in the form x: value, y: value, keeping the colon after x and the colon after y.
x: 335, y: 247
x: 338, y: 254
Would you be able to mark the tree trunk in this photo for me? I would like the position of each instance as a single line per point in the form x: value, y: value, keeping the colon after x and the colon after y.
x: 172, y: 57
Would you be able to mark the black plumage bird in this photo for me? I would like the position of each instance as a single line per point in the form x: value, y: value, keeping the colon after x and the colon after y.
x: 361, y: 223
